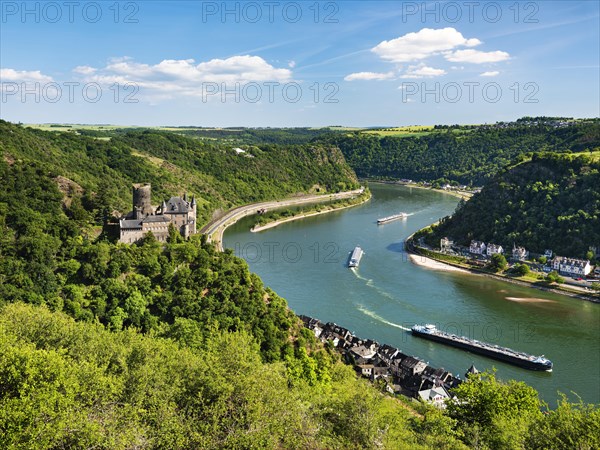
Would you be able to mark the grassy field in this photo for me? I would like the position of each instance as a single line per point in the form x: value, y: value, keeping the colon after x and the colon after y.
x: 74, y: 127
x: 413, y: 130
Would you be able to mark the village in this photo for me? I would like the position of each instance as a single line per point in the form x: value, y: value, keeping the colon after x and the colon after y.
x: 579, y: 272
x: 398, y: 373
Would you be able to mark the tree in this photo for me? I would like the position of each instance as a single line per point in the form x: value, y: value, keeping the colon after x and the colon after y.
x: 554, y: 277
x: 498, y: 262
x: 521, y: 269
x: 571, y: 425
x: 542, y: 259
x: 493, y: 412
x: 589, y: 255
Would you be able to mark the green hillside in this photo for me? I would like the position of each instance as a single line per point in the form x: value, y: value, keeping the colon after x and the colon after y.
x: 153, y: 346
x: 552, y: 201
x: 105, y: 169
x: 466, y: 155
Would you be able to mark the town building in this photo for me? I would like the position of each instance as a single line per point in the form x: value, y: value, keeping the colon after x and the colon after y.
x: 571, y: 266
x: 411, y: 366
x: 437, y: 396
x: 477, y: 248
x: 446, y: 244
x: 519, y: 253
x: 400, y: 373
x: 144, y: 217
x: 493, y: 249
x: 471, y: 371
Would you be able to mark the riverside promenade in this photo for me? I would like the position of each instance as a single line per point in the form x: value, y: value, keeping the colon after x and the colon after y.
x: 214, y: 230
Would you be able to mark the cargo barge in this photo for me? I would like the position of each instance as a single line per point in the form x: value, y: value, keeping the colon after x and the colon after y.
x: 508, y: 355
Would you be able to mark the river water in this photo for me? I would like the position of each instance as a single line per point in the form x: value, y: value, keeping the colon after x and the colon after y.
x: 305, y: 262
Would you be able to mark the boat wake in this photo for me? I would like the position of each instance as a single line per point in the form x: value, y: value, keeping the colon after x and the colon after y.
x: 369, y: 282
x: 359, y: 276
x: 377, y: 317
x: 380, y: 291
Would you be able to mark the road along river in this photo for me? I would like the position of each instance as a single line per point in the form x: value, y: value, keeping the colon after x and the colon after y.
x: 305, y: 262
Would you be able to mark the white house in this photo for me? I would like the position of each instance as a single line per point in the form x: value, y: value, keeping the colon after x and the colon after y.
x: 436, y: 395
x: 446, y: 244
x: 493, y: 249
x: 571, y: 266
x: 477, y: 248
x: 519, y: 253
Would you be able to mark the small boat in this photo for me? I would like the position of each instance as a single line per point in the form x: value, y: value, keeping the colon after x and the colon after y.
x: 355, y: 257
x: 391, y: 218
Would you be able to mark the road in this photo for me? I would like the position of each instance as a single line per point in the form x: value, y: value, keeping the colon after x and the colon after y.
x: 215, y: 229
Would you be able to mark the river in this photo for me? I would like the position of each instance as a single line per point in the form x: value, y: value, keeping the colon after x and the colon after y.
x: 305, y: 262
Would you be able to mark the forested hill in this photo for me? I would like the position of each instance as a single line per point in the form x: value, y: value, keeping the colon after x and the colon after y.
x: 552, y: 201
x: 175, y: 345
x: 103, y: 169
x: 467, y: 155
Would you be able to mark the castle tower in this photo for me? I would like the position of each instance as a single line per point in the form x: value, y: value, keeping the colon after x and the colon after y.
x: 141, y: 200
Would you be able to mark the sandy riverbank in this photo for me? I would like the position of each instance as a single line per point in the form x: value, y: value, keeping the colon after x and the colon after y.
x: 434, y: 265
x: 258, y: 229
x: 459, y: 194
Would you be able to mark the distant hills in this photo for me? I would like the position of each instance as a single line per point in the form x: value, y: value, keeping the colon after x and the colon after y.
x: 103, y: 166
x: 462, y: 154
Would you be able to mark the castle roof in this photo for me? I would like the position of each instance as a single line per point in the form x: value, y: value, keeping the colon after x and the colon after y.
x: 130, y: 224
x: 137, y: 223
x: 177, y: 205
x: 155, y: 219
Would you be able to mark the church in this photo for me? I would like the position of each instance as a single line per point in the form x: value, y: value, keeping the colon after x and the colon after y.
x: 178, y: 211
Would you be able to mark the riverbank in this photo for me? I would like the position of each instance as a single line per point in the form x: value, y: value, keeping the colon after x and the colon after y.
x: 304, y: 215
x: 214, y: 230
x: 433, y: 264
x: 460, y: 194
x: 430, y: 262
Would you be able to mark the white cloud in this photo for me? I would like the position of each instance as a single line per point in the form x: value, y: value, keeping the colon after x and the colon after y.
x: 241, y: 68
x: 234, y: 69
x: 422, y: 44
x: 369, y: 76
x: 84, y: 70
x: 476, y: 56
x: 490, y: 74
x: 170, y: 78
x: 422, y: 71
x: 24, y: 76
x: 292, y: 64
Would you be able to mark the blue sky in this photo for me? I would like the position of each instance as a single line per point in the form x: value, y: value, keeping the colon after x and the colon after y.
x: 278, y: 63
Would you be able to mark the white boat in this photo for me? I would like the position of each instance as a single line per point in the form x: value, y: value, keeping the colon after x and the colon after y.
x: 391, y: 218
x: 355, y: 257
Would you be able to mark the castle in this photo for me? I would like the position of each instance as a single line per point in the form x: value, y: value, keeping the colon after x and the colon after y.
x: 144, y: 218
